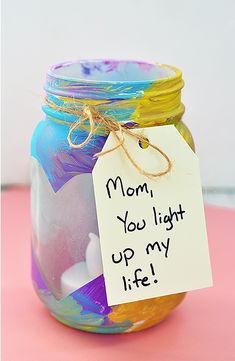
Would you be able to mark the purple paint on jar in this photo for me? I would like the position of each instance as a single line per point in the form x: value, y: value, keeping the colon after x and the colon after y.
x: 92, y: 296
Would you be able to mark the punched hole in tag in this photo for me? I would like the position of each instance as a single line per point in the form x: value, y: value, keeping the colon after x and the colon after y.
x: 143, y: 144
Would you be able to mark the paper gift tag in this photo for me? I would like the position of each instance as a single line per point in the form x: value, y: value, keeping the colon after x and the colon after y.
x: 152, y: 232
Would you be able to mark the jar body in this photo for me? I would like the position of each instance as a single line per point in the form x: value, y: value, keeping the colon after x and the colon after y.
x: 64, y: 224
x: 66, y: 261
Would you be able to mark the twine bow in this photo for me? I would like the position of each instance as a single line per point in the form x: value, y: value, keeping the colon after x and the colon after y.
x: 89, y: 113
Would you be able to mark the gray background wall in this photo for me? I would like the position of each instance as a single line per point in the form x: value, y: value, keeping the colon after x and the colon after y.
x: 194, y: 35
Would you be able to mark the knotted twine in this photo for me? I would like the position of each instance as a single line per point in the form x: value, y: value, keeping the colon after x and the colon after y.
x: 89, y: 113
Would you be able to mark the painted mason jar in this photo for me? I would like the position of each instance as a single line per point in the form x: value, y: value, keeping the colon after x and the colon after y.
x: 66, y: 260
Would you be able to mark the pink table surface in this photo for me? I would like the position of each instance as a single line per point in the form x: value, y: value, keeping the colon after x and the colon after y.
x: 202, y: 328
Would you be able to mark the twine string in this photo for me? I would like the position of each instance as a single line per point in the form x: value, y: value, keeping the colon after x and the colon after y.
x: 89, y: 113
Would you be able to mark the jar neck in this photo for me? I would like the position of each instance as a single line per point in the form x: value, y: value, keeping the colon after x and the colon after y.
x: 144, y: 94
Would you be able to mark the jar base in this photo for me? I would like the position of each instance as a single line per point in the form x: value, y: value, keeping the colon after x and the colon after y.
x: 91, y: 329
x: 167, y: 305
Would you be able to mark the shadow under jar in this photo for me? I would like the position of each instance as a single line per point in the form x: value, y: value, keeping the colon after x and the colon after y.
x: 66, y: 261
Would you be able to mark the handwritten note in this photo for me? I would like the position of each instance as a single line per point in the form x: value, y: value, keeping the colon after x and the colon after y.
x: 152, y: 232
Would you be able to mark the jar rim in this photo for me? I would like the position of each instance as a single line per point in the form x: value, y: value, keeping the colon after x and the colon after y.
x: 142, y: 88
x: 162, y: 72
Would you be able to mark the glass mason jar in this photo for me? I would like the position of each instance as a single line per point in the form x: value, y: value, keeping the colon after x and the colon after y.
x: 66, y: 260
